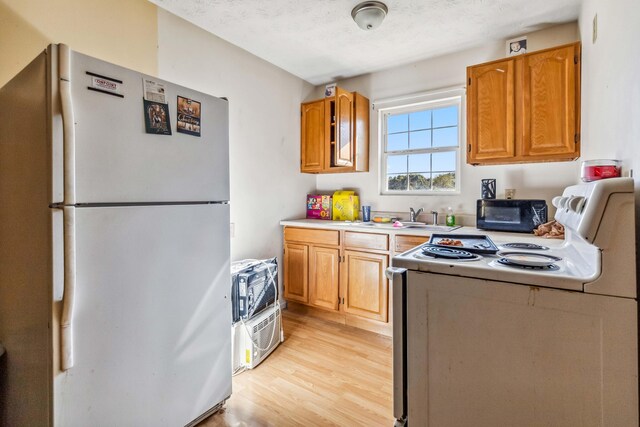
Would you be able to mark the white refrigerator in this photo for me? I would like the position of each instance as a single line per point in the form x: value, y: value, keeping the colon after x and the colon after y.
x: 114, y: 247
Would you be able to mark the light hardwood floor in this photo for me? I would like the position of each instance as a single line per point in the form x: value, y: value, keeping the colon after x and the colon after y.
x: 323, y: 374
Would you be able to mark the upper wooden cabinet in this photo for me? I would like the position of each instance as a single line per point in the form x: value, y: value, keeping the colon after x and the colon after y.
x: 312, y: 130
x: 551, y: 103
x: 525, y: 108
x: 491, y: 111
x: 335, y: 134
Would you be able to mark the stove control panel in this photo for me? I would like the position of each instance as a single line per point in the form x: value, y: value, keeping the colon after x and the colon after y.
x: 575, y: 204
x: 569, y: 203
x: 582, y: 206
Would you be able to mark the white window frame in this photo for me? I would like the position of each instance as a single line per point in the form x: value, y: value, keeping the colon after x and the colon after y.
x: 408, y: 104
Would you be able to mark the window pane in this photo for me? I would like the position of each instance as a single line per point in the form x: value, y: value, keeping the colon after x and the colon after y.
x: 396, y: 164
x: 420, y: 120
x: 397, y: 123
x: 445, y: 137
x: 422, y: 147
x: 444, y: 161
x: 420, y: 139
x: 445, y: 116
x: 397, y: 141
x: 419, y: 181
x: 419, y: 163
x: 397, y: 182
x: 444, y: 181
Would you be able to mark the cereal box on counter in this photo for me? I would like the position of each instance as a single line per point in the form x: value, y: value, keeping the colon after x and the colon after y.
x: 319, y: 206
x: 345, y: 206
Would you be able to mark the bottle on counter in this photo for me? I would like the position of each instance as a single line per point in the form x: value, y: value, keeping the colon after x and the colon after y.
x: 451, y: 218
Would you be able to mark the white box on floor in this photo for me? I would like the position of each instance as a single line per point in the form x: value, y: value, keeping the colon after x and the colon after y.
x: 256, y: 338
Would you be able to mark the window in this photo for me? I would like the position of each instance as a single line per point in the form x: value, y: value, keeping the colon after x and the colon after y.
x: 420, y: 144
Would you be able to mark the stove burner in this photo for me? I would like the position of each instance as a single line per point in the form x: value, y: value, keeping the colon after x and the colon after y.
x: 448, y: 253
x: 550, y: 267
x: 530, y: 246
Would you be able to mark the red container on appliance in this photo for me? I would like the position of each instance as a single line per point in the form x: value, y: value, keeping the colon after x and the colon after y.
x: 593, y: 170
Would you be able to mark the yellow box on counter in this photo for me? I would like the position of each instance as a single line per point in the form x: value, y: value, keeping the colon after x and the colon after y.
x: 346, y: 206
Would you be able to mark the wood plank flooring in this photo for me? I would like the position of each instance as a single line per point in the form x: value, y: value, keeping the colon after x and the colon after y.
x: 323, y: 374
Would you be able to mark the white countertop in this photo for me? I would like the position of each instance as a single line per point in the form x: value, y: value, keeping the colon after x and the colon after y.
x: 497, y: 236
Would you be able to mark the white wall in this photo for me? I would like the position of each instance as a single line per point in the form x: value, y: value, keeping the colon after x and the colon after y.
x: 264, y: 111
x: 542, y: 180
x: 611, y: 86
x: 118, y: 31
x: 610, y: 80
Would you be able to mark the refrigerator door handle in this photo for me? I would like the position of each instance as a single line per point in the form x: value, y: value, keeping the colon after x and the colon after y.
x: 68, y: 127
x: 398, y: 277
x: 68, y: 299
x: 68, y: 124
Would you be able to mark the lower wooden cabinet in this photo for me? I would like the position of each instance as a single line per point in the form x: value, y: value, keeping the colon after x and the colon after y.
x: 366, y: 286
x: 323, y: 277
x: 404, y: 243
x: 340, y: 275
x: 296, y: 261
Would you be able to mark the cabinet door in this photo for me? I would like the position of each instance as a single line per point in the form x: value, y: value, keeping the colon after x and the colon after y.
x: 550, y: 102
x: 323, y: 277
x: 366, y: 291
x: 312, y: 136
x: 344, y: 129
x: 404, y: 243
x: 491, y: 111
x: 296, y: 264
x: 361, y: 133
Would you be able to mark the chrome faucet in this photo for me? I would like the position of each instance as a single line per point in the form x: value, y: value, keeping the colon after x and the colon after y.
x: 435, y: 217
x: 413, y: 214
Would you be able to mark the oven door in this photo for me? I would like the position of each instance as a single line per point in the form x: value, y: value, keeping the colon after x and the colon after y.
x: 484, y: 353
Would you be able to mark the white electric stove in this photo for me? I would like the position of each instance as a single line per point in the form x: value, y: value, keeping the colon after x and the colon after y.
x: 478, y: 342
x: 579, y: 263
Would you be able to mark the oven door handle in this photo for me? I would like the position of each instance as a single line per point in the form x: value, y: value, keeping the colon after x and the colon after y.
x: 395, y: 272
x: 398, y: 277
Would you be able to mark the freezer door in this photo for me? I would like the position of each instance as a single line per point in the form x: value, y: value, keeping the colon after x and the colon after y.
x: 117, y: 161
x: 152, y: 322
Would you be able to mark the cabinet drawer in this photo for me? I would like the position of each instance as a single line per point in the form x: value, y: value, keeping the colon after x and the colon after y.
x: 355, y: 240
x: 312, y: 235
x: 404, y: 243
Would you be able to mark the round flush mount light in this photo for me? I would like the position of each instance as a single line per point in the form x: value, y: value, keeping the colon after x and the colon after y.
x: 369, y: 14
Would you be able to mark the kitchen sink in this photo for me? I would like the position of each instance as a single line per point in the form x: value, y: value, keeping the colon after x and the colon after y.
x: 420, y: 225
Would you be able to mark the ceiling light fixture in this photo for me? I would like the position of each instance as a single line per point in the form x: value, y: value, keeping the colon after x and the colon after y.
x: 369, y: 14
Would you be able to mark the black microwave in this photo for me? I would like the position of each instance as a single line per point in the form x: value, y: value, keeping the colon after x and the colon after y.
x: 510, y: 215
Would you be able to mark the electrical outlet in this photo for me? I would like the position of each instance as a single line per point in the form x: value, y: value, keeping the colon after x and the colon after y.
x: 232, y: 229
x: 509, y: 193
x: 595, y: 28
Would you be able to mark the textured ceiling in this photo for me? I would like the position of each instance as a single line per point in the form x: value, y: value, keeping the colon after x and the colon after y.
x: 318, y: 41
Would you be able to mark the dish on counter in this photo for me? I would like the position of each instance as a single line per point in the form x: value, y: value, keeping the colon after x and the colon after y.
x: 383, y: 219
x: 450, y: 242
x: 476, y: 243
